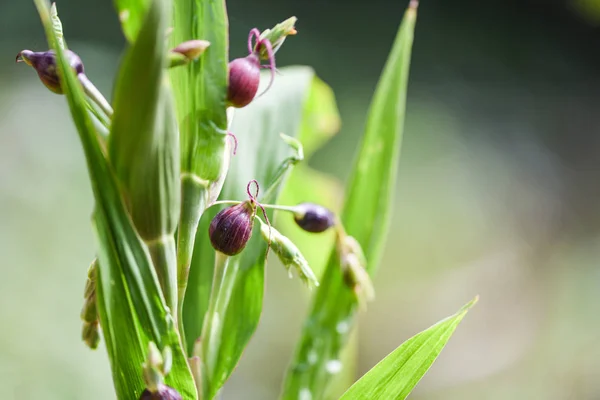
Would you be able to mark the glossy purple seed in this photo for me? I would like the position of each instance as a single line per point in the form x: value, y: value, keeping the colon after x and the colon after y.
x: 313, y: 217
x: 244, y: 78
x: 231, y: 228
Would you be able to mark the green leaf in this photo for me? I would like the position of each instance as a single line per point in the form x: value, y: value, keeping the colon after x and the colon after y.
x: 396, y: 375
x: 320, y: 121
x: 260, y: 152
x: 143, y: 145
x: 130, y: 304
x: 200, y: 89
x: 131, y: 15
x: 365, y: 216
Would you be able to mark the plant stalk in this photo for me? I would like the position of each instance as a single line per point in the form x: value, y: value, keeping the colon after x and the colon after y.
x: 95, y: 95
x: 164, y: 257
x: 194, y: 198
x: 212, y: 329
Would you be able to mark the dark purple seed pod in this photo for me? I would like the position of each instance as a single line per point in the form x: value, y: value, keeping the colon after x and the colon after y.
x: 244, y: 78
x: 44, y: 63
x: 313, y: 217
x: 231, y: 228
x: 164, y: 393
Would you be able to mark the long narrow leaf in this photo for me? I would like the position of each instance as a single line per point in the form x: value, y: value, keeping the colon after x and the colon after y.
x: 131, y: 15
x: 143, y: 146
x: 128, y: 288
x: 365, y: 216
x: 395, y: 376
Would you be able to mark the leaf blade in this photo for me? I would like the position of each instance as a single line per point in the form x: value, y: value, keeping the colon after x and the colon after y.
x: 131, y: 16
x: 365, y: 216
x: 398, y: 373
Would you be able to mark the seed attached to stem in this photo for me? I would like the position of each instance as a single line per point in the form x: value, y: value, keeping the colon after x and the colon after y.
x: 313, y: 217
x: 244, y: 78
x: 45, y: 65
x: 353, y: 265
x: 244, y: 73
x: 231, y: 228
x: 191, y: 49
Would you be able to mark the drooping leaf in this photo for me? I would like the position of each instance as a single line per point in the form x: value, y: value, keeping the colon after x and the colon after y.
x: 396, y: 375
x: 365, y: 216
x: 131, y: 15
x: 130, y: 304
x: 260, y: 153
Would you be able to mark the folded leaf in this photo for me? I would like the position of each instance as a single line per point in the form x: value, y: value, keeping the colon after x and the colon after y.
x: 143, y: 146
x: 396, y: 375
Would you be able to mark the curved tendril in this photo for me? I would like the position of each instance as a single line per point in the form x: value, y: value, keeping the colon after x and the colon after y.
x: 272, y: 67
x: 235, y: 141
x: 254, y: 33
x: 269, y: 225
x: 262, y: 208
x: 257, y: 189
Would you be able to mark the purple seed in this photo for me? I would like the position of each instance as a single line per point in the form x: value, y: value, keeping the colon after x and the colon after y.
x: 164, y: 393
x: 231, y: 228
x: 44, y: 63
x: 313, y: 217
x: 244, y: 78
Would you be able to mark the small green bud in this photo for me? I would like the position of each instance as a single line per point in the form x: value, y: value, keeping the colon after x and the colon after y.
x: 156, y: 367
x: 89, y: 311
x: 191, y: 49
x: 167, y: 364
x: 90, y: 334
x: 289, y: 255
x: 277, y: 35
x: 353, y: 264
x: 45, y: 65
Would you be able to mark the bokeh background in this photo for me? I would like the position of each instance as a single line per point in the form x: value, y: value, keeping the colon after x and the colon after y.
x: 498, y: 192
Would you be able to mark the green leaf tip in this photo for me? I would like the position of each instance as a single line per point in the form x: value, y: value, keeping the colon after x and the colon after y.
x: 366, y: 217
x: 277, y: 35
x: 396, y: 375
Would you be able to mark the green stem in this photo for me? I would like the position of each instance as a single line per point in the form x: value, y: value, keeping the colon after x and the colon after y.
x: 95, y: 95
x: 212, y: 329
x: 280, y: 208
x: 98, y: 113
x: 194, y: 196
x: 214, y: 203
x: 164, y: 257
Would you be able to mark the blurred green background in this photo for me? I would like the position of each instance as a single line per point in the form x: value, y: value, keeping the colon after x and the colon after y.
x: 497, y: 195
